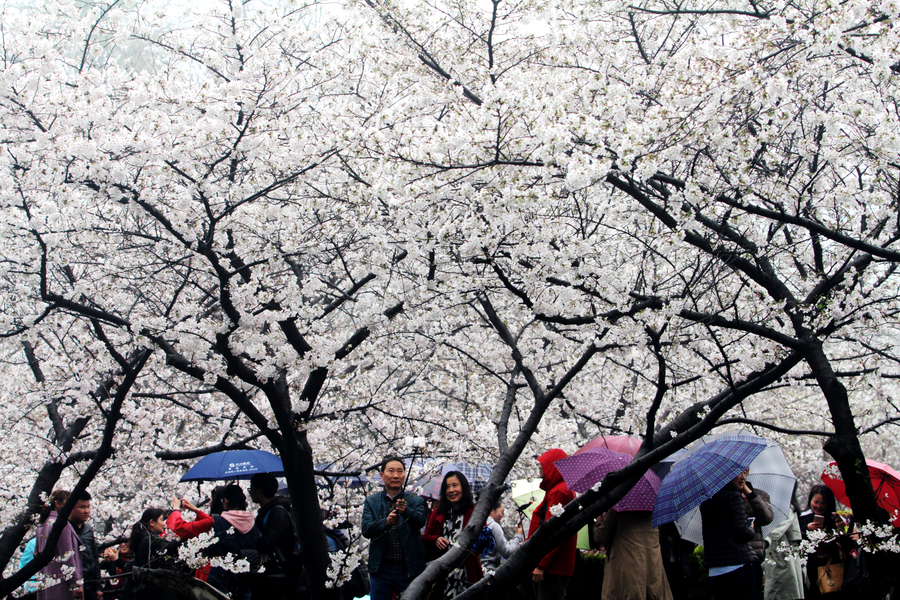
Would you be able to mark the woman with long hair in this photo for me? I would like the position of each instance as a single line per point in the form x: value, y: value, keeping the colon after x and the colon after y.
x: 819, y: 515
x: 444, y: 526
x: 53, y: 504
x: 820, y: 509
x: 151, y: 551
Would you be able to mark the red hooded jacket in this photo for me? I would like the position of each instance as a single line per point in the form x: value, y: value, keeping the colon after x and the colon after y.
x: 560, y: 560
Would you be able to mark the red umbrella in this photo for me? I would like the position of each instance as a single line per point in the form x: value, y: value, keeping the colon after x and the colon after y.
x: 885, y: 482
x: 617, y: 443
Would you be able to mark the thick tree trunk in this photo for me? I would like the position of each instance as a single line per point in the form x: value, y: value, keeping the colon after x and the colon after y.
x: 297, y: 457
x: 298, y: 470
x: 844, y: 445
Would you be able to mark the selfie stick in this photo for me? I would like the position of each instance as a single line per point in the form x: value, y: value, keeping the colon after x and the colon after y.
x: 417, y: 444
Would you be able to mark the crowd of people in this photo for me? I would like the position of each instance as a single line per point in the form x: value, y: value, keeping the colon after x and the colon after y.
x: 393, y: 520
x: 735, y: 550
x: 404, y: 533
x: 265, y: 539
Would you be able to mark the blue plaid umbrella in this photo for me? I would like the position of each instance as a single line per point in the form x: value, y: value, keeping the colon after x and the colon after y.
x: 770, y: 472
x: 702, y: 473
x: 429, y: 487
x: 478, y: 474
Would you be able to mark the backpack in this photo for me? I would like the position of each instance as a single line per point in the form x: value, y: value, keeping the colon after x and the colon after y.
x: 358, y: 584
x: 291, y: 565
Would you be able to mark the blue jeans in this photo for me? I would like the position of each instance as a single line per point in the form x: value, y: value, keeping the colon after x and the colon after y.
x: 389, y: 579
x: 736, y: 585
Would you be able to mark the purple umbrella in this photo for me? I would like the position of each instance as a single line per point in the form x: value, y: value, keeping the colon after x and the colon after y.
x: 583, y: 470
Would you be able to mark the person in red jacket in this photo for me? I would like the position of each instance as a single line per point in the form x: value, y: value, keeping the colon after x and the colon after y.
x: 444, y: 525
x: 552, y: 574
x: 188, y: 529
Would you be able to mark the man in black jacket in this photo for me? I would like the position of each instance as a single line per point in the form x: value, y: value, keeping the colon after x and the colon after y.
x: 276, y: 541
x: 90, y: 562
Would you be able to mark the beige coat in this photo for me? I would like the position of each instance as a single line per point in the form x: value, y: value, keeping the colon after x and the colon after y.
x: 634, y: 567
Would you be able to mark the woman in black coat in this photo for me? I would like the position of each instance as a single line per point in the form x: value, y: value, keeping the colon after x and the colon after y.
x: 151, y: 551
x: 819, y: 516
x: 726, y: 552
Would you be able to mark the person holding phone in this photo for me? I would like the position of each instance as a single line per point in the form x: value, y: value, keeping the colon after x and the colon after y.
x: 187, y: 529
x: 391, y: 520
x: 819, y: 516
x: 820, y: 510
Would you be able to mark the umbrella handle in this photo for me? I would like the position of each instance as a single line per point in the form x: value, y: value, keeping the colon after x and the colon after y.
x: 521, y: 522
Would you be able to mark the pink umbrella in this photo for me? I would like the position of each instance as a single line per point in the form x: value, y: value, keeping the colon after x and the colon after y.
x: 885, y: 482
x: 617, y: 443
x: 583, y: 470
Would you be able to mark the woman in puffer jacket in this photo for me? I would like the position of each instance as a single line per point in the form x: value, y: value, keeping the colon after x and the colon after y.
x: 236, y: 537
x: 726, y: 551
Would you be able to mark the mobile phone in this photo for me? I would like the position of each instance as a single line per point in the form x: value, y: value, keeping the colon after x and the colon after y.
x: 820, y: 519
x: 750, y: 521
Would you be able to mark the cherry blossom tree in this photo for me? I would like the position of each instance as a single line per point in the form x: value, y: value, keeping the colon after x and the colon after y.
x: 500, y: 226
x: 196, y: 210
x: 734, y: 146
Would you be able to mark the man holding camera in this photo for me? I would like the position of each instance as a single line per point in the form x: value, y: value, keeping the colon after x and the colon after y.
x: 392, y: 520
